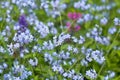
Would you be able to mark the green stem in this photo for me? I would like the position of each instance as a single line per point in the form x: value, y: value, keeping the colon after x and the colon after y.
x: 61, y: 21
x: 70, y: 25
x: 75, y: 63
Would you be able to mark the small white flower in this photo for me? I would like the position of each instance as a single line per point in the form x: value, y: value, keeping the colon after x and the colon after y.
x: 65, y: 74
x: 112, y: 30
x: 104, y: 21
x: 55, y: 68
x: 75, y: 50
x: 116, y: 21
x: 69, y: 48
x: 16, y: 45
x: 5, y: 65
x: 33, y: 62
x: 91, y: 73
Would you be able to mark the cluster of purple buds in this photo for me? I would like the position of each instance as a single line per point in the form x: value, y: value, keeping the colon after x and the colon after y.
x: 23, y: 23
x: 23, y: 35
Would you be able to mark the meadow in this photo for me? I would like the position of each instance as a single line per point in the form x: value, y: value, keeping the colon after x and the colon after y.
x: 59, y: 39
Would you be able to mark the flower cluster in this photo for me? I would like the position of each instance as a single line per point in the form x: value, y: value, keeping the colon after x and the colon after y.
x: 91, y: 73
x: 18, y: 72
x: 73, y: 16
x: 56, y: 7
x: 96, y: 35
x: 59, y: 39
x: 92, y: 55
x: 41, y: 28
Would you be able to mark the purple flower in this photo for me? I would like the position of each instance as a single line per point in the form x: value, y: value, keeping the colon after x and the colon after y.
x: 77, y: 28
x: 68, y: 24
x: 22, y: 21
x: 74, y: 16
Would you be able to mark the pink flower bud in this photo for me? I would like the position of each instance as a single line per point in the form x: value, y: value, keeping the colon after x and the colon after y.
x: 74, y: 16
x: 68, y: 24
x: 77, y: 28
